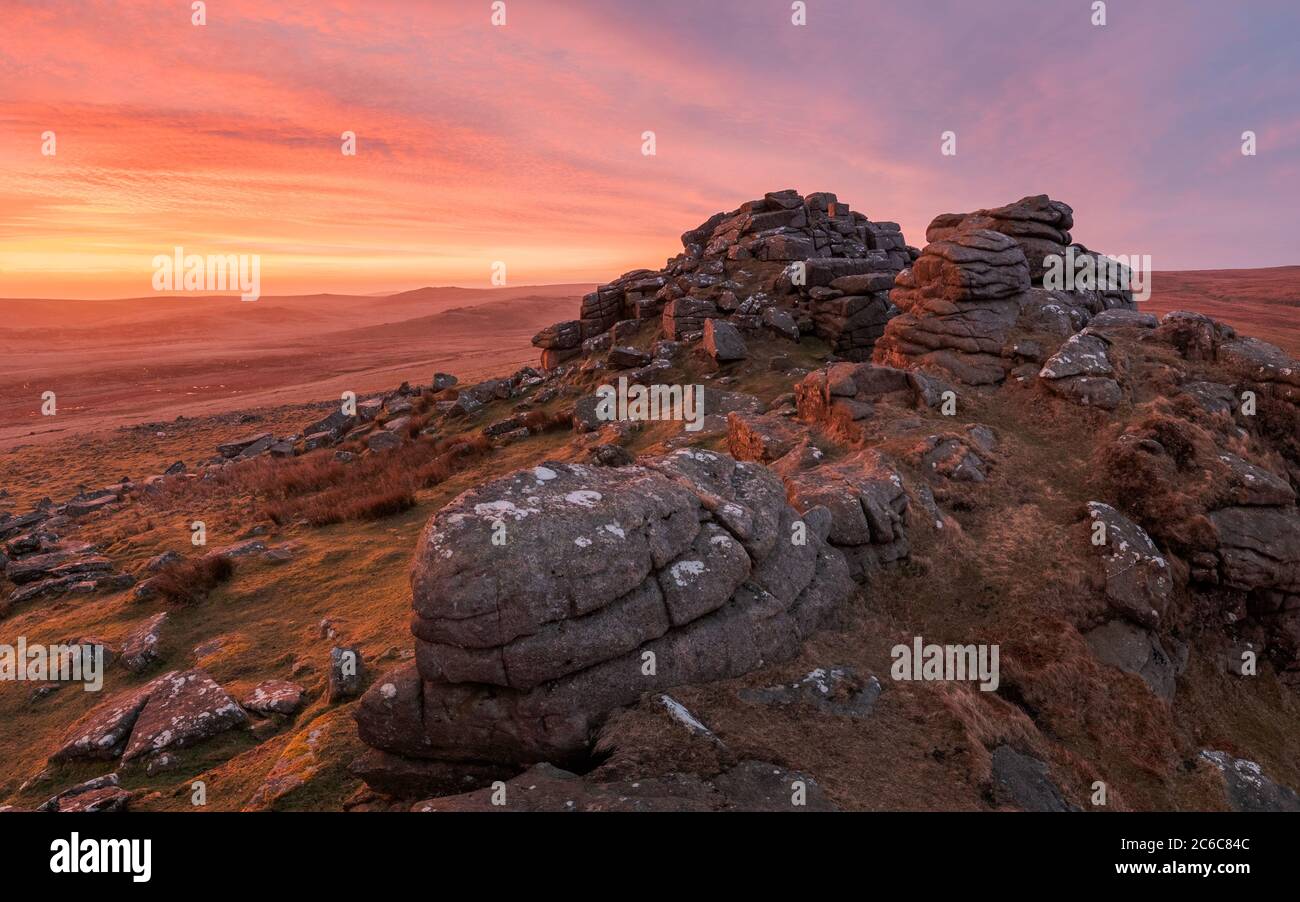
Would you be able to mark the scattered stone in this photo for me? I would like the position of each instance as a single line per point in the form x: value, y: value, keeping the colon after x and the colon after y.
x: 158, y: 562
x: 749, y: 786
x: 1247, y: 788
x: 140, y: 648
x: 781, y: 322
x: 1024, y: 782
x: 623, y: 358
x: 240, y: 446
x: 346, y: 673
x: 722, y: 342
x: 1138, y: 584
x: 1139, y: 651
x: 96, y: 794
x: 246, y: 548
x: 832, y: 690
x: 183, y: 709
x: 678, y: 712
x: 952, y: 457
x: 274, y: 697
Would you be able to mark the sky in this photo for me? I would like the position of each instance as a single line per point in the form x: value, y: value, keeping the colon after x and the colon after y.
x: 522, y: 143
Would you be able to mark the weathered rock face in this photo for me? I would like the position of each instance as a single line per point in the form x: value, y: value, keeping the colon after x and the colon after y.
x: 868, y: 508
x: 1262, y: 364
x: 1246, y: 786
x: 736, y: 266
x: 1082, y: 371
x: 1141, y: 652
x: 960, y: 301
x: 761, y: 437
x: 723, y: 342
x: 844, y: 394
x: 1258, y: 548
x: 176, y: 710
x: 1138, y: 583
x: 1024, y: 782
x: 1040, y: 225
x: 1257, y: 553
x: 848, y: 301
x: 603, y: 583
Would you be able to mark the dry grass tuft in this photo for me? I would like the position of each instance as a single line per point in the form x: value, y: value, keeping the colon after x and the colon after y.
x: 189, y: 581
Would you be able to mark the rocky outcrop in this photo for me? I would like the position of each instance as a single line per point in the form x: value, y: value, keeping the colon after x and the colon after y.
x: 601, y: 584
x: 783, y: 252
x: 848, y: 302
x: 990, y: 273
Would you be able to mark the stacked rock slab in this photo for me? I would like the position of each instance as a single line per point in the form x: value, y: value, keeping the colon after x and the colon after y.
x: 547, y: 598
x: 736, y: 265
x: 968, y: 291
x: 849, y: 304
x: 960, y: 301
x: 1040, y: 225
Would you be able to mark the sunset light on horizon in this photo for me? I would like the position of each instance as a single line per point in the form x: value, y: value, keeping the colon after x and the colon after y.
x: 523, y: 143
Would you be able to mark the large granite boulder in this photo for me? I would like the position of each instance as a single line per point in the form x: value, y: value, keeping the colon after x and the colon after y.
x: 547, y: 598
